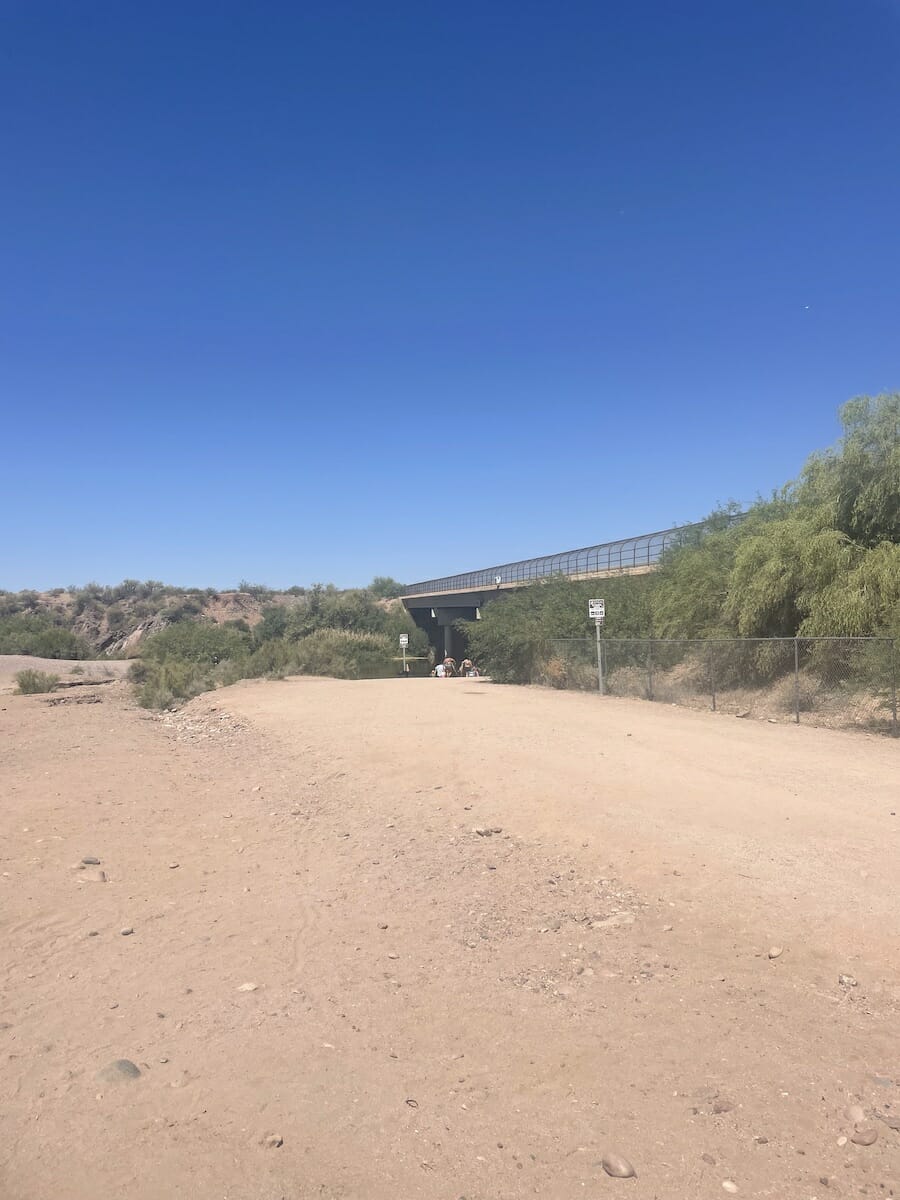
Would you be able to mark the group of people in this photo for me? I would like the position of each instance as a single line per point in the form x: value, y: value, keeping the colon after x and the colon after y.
x: 449, y: 670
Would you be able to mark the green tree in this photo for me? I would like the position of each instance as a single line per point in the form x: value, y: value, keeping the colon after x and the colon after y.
x: 857, y: 483
x: 385, y: 588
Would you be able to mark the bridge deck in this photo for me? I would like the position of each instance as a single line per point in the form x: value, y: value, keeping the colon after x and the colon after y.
x: 628, y: 556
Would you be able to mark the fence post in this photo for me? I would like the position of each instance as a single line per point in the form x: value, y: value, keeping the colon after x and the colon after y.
x: 650, y: 668
x: 894, y: 689
x: 600, y: 662
x: 712, y: 678
x: 797, y: 680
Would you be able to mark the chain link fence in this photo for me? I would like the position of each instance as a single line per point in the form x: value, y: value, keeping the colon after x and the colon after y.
x: 842, y: 683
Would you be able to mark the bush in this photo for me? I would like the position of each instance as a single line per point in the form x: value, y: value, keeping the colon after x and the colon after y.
x: 36, y: 634
x: 343, y: 654
x: 385, y: 588
x: 165, y: 682
x: 195, y: 642
x: 31, y: 682
x: 512, y: 641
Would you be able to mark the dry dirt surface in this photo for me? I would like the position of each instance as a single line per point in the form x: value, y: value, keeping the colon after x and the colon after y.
x: 71, y: 672
x: 443, y: 939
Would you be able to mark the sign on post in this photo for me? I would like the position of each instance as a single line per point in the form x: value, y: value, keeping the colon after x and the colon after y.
x: 597, y: 613
x: 404, y: 642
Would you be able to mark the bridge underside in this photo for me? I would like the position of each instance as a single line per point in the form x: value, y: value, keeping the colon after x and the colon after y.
x: 437, y: 612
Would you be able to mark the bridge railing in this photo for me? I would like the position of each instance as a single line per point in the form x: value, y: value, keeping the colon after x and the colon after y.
x: 627, y: 554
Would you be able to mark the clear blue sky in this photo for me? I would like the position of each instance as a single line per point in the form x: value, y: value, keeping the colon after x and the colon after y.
x: 319, y: 291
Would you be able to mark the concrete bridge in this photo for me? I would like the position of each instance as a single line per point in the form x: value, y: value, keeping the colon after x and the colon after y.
x: 435, y: 604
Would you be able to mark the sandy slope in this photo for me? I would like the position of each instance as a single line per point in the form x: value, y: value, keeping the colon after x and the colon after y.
x: 437, y: 1013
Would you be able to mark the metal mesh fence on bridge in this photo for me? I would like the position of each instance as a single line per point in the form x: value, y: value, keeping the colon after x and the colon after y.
x: 841, y: 683
x: 627, y: 554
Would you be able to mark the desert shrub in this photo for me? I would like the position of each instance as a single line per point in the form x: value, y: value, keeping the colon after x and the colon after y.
x: 37, y: 634
x: 785, y: 693
x: 196, y: 642
x: 342, y: 654
x: 31, y: 682
x: 258, y: 590
x: 183, y: 611
x: 512, y: 641
x: 165, y: 682
x: 559, y: 671
x: 385, y: 588
x: 137, y: 672
x: 182, y: 661
x: 273, y: 625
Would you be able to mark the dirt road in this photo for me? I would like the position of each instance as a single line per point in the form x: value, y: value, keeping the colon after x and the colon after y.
x: 336, y: 988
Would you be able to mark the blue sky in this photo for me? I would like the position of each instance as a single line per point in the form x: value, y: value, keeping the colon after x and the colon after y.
x: 323, y: 291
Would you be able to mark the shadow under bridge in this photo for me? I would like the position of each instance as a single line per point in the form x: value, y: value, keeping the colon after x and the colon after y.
x: 436, y: 604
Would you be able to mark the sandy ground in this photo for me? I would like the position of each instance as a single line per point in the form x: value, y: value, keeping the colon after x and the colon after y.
x: 326, y: 955
x: 69, y: 670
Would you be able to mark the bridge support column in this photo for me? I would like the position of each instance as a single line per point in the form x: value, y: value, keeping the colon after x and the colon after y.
x: 448, y: 640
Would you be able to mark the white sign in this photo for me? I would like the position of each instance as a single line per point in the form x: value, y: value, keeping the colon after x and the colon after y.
x: 597, y: 610
x: 404, y: 639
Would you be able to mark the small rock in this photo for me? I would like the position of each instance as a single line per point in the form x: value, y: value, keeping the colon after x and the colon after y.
x: 847, y: 981
x: 115, y: 1072
x: 842, y: 1141
x: 892, y: 1121
x: 614, y: 921
x: 708, y: 1158
x: 776, y: 951
x: 730, y: 1186
x: 272, y: 1141
x: 617, y: 1166
x: 382, y: 926
x: 722, y: 1106
x: 497, y: 829
x: 92, y: 933
x: 248, y: 987
x: 482, y: 831
x: 855, y: 1114
x: 163, y: 1060
x: 90, y: 861
x: 172, y: 866
x: 393, y: 956
x: 762, y: 1141
x: 127, y: 932
x: 865, y: 1137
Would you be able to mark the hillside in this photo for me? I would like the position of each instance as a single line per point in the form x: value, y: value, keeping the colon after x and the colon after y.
x: 96, y: 621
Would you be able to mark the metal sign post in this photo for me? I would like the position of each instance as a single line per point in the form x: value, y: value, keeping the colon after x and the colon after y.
x: 597, y: 613
x: 404, y: 642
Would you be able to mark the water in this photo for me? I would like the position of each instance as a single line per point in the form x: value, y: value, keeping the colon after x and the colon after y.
x: 392, y: 668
